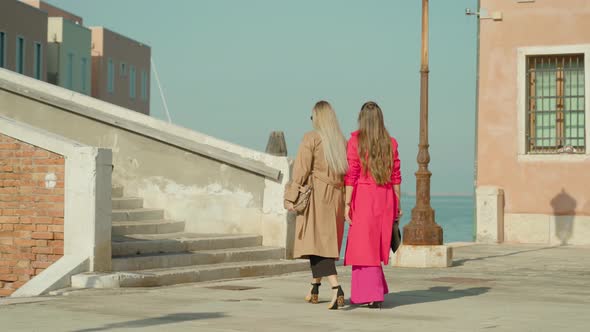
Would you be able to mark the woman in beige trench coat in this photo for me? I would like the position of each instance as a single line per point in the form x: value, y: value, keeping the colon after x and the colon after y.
x: 321, y: 162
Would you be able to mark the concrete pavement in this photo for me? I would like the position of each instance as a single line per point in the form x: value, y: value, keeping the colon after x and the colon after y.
x: 490, y: 288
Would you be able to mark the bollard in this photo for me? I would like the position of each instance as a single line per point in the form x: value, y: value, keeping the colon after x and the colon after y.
x: 276, y: 144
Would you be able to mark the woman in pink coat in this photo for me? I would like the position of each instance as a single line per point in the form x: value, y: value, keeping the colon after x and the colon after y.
x: 372, y: 197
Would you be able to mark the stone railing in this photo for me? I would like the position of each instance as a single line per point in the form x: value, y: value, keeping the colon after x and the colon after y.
x: 213, y: 185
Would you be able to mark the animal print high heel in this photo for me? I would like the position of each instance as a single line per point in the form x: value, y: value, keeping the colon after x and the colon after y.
x: 338, y: 301
x: 313, y: 296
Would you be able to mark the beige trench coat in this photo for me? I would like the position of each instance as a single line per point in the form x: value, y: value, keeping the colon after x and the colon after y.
x: 320, y: 227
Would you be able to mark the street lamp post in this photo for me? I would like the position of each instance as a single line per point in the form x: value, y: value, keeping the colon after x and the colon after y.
x: 422, y: 229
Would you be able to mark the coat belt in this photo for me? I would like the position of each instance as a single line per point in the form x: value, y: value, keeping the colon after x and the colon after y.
x: 326, y: 180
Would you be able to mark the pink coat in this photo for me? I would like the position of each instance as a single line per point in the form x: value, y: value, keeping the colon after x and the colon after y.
x: 373, y: 208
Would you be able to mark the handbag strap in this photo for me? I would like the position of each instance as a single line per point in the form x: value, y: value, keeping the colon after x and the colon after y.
x: 304, y: 189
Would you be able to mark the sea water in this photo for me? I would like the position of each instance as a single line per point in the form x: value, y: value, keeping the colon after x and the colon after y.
x: 453, y: 213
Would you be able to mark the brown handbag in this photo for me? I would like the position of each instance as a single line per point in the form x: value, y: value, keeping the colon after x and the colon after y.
x: 302, y: 193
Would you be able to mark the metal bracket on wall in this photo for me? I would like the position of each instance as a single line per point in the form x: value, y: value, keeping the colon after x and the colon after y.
x: 484, y: 15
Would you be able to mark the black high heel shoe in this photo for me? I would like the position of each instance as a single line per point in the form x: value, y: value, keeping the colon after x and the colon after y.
x: 313, y: 296
x: 339, y: 299
x: 376, y: 305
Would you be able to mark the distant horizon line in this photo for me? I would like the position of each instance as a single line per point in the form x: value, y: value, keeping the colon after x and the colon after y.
x: 441, y: 194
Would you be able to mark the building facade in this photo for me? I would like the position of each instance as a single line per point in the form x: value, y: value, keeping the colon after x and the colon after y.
x: 53, y: 11
x: 533, y: 158
x: 120, y: 70
x: 69, y: 61
x: 23, y: 42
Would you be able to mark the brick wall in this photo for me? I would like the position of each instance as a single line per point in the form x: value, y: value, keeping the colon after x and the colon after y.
x: 31, y: 211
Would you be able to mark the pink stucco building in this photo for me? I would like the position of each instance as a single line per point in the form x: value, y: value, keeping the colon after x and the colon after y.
x: 120, y: 70
x: 23, y: 39
x: 53, y: 11
x: 533, y: 158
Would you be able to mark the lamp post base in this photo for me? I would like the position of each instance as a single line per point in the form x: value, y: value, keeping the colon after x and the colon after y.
x: 423, y: 235
x: 423, y: 256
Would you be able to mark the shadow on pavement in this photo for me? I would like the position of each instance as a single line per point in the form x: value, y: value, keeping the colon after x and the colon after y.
x: 460, y: 262
x: 433, y: 294
x: 167, y: 319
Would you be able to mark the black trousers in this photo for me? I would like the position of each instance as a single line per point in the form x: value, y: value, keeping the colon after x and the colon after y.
x: 322, y: 266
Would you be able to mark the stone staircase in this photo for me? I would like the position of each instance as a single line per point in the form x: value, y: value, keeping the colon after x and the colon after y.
x: 149, y: 250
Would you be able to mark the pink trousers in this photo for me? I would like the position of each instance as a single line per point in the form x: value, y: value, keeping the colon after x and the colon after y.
x: 368, y: 284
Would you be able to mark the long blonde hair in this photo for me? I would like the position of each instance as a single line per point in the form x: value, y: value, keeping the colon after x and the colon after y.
x: 334, y: 143
x: 375, y: 147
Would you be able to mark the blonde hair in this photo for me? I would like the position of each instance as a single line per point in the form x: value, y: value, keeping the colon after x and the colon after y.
x: 334, y: 143
x: 375, y: 147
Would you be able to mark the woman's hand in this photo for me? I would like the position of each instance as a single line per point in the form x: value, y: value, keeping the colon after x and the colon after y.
x: 397, y: 189
x: 289, y: 206
x: 400, y: 213
x: 347, y: 214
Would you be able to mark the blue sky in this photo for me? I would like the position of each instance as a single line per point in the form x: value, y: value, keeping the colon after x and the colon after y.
x: 238, y: 69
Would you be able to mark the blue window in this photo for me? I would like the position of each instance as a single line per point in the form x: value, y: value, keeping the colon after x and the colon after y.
x: 132, y: 82
x: 84, y: 71
x: 122, y: 69
x: 37, y: 70
x: 70, y: 71
x: 20, y: 55
x: 2, y: 49
x: 111, y: 76
x: 144, y: 85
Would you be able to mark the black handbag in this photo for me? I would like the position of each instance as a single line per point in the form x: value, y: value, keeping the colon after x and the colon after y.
x: 396, y: 236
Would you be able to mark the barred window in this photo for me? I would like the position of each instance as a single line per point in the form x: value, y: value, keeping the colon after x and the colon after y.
x: 556, y: 104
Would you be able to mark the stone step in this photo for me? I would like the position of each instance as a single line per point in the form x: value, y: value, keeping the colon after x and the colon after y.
x: 147, y: 227
x: 205, y: 257
x: 117, y: 191
x: 127, y: 203
x: 137, y: 214
x: 180, y: 242
x: 200, y: 273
